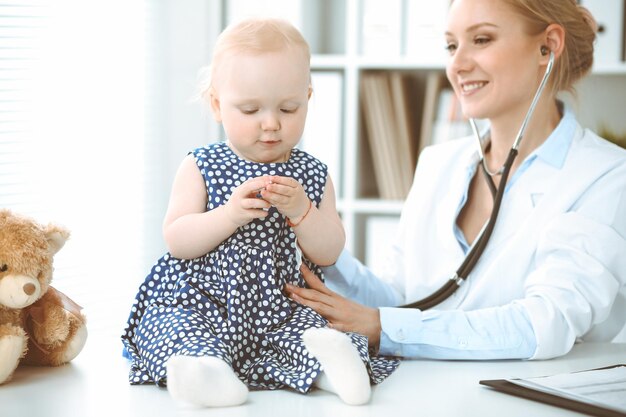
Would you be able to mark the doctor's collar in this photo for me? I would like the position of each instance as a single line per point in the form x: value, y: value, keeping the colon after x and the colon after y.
x: 553, y: 150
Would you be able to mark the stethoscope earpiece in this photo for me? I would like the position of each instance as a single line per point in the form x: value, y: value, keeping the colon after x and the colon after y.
x: 544, y: 50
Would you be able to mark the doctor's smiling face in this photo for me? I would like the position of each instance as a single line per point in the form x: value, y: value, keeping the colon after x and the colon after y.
x: 494, y: 64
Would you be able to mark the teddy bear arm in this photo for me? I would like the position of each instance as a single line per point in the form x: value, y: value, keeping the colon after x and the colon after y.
x: 49, y: 324
x: 57, y: 329
x: 60, y: 351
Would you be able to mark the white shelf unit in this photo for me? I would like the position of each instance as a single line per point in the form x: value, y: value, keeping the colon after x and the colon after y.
x: 355, y: 203
x: 600, y: 100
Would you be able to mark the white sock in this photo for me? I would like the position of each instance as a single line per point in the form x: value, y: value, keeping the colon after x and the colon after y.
x: 323, y: 382
x: 344, y: 371
x: 204, y: 381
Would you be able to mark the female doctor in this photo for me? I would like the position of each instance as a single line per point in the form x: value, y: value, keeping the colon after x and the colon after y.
x: 554, y: 269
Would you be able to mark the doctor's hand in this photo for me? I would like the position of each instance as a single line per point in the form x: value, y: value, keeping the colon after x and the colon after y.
x: 342, y: 314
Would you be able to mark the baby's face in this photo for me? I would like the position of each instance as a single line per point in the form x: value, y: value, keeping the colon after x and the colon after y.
x: 262, y: 102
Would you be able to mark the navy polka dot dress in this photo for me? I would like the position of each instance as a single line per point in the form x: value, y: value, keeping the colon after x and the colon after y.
x: 230, y: 303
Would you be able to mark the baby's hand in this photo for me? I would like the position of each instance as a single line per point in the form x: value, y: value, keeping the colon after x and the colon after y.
x: 244, y: 204
x: 287, y: 195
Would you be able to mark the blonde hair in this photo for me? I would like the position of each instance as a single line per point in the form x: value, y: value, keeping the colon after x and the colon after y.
x: 580, y: 33
x: 252, y: 36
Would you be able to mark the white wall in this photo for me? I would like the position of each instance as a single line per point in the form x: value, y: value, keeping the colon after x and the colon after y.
x: 184, y: 34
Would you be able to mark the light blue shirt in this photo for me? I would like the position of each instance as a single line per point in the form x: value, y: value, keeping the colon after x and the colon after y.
x: 491, y: 333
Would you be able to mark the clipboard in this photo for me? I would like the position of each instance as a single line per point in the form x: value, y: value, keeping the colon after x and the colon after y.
x: 507, y: 387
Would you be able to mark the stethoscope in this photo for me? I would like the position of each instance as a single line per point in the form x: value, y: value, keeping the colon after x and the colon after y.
x: 480, y: 243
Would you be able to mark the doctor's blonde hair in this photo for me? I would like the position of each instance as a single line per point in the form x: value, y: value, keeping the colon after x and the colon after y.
x: 580, y: 33
x: 252, y: 36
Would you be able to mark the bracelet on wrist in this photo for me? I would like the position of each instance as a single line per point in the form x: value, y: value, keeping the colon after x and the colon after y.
x: 292, y: 224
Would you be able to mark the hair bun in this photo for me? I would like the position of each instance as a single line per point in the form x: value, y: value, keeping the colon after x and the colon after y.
x: 588, y: 18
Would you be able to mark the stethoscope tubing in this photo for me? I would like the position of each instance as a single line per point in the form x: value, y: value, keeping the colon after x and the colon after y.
x: 480, y: 243
x: 475, y: 252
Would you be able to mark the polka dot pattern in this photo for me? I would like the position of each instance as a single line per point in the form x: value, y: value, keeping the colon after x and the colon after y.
x: 229, y: 303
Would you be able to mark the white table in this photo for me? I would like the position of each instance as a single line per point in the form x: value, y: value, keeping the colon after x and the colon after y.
x: 95, y: 384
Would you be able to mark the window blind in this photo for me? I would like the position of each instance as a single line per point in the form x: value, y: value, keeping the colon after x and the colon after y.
x: 78, y: 129
x: 21, y: 34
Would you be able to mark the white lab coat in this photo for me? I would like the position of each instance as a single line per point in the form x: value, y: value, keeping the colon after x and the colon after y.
x: 559, y: 247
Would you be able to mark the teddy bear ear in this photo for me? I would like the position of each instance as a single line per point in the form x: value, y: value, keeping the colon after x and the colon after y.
x: 56, y: 236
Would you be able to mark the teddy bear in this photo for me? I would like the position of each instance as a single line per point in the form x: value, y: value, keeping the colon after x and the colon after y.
x: 39, y: 325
